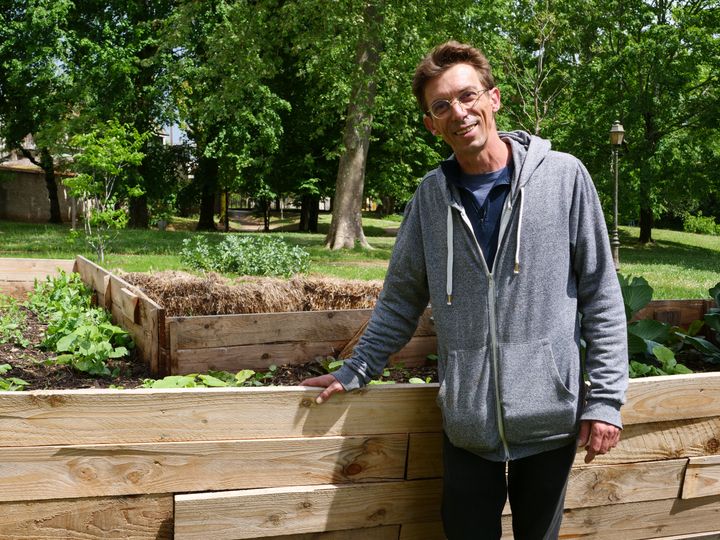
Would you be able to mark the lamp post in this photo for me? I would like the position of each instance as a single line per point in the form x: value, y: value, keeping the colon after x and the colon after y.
x: 616, y: 138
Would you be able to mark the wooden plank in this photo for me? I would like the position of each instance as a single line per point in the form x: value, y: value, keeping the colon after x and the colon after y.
x: 28, y: 270
x: 263, y: 355
x: 641, y: 520
x: 424, y: 456
x: 702, y: 478
x: 715, y: 535
x: 672, y: 397
x: 663, y: 440
x: 271, y: 512
x: 674, y: 312
x: 639, y: 443
x: 129, y: 304
x: 93, y: 276
x: 594, y: 485
x: 153, y: 415
x: 370, y: 533
x: 422, y: 531
x: 254, y: 328
x: 56, y: 472
x: 601, y: 485
x: 148, y: 517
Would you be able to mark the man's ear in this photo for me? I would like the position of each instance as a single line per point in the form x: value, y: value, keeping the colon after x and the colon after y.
x: 495, y: 98
x: 428, y: 121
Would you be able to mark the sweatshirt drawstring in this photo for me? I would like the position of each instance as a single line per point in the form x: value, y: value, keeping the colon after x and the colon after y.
x: 516, y: 269
x: 449, y: 270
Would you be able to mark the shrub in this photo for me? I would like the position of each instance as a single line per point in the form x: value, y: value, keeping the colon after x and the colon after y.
x: 700, y: 224
x: 246, y: 255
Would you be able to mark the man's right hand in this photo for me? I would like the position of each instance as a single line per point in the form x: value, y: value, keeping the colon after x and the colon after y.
x: 328, y: 382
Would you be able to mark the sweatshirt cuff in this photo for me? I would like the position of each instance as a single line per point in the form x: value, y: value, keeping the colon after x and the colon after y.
x: 604, y: 410
x: 349, y: 378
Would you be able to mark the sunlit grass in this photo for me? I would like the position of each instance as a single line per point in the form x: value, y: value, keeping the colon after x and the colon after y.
x: 677, y: 264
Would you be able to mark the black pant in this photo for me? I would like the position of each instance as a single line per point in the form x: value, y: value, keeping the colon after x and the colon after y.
x: 475, y: 489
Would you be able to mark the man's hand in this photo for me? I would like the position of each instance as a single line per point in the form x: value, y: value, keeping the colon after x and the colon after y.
x: 328, y: 382
x: 597, y: 437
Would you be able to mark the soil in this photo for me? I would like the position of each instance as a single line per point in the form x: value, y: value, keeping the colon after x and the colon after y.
x: 34, y: 365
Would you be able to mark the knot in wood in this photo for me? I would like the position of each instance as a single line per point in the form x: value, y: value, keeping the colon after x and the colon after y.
x: 712, y: 446
x: 352, y: 469
x: 377, y: 515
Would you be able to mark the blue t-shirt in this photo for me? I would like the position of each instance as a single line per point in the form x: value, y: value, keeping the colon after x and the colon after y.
x: 483, y: 196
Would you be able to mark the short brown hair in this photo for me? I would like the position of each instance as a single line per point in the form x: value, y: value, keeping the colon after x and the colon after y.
x: 442, y: 58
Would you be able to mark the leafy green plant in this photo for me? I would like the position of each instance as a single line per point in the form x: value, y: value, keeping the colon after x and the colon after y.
x: 700, y: 224
x: 712, y: 317
x: 10, y: 383
x: 83, y: 335
x: 653, y: 345
x: 259, y: 255
x: 12, y: 323
x: 88, y: 347
x: 213, y: 379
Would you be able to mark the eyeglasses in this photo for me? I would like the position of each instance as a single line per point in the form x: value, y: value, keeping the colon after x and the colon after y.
x: 440, y: 108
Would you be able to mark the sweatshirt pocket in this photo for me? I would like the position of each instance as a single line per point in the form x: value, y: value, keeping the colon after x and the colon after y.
x: 538, y: 403
x: 466, y: 400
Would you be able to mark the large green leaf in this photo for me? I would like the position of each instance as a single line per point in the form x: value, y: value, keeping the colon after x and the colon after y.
x: 650, y: 329
x: 636, y: 292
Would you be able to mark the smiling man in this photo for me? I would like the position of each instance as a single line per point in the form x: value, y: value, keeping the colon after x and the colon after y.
x: 507, y: 241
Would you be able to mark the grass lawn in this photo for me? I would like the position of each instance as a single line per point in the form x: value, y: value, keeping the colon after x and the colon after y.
x: 677, y: 265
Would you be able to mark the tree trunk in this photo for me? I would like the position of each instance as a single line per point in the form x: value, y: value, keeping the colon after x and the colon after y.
x: 346, y: 225
x: 139, y: 214
x: 646, y: 224
x: 48, y: 166
x: 208, y: 176
x: 314, y: 215
x: 265, y: 207
x: 309, y: 212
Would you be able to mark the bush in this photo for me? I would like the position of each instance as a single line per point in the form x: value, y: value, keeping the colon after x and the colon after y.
x: 246, y: 255
x: 700, y: 224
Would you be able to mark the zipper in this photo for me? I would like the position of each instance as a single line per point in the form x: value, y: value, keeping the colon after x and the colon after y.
x: 494, y: 353
x: 493, y: 330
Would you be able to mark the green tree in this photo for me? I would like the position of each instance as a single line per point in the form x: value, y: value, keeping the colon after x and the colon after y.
x: 120, y: 73
x: 655, y: 67
x: 224, y: 61
x: 105, y: 156
x: 36, y: 89
x: 358, y: 59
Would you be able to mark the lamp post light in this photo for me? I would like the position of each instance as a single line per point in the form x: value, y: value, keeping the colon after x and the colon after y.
x: 616, y: 138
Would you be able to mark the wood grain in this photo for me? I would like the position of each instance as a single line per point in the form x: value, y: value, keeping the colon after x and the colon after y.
x: 210, y: 414
x: 147, y: 517
x: 292, y: 510
x: 702, y: 478
x: 54, y: 472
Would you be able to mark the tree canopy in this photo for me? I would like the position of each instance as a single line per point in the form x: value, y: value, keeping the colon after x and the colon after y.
x: 310, y: 99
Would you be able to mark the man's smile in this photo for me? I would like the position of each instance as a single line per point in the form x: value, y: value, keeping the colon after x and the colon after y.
x: 466, y: 129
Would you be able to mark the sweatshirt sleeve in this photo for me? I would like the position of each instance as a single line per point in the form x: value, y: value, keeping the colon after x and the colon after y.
x: 403, y: 299
x: 600, y: 303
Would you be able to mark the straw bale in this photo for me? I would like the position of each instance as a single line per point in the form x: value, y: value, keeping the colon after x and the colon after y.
x: 184, y: 294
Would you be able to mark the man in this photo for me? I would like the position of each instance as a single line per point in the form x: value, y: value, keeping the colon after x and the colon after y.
x: 507, y: 241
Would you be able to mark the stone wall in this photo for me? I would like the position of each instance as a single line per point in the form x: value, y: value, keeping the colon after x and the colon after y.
x: 23, y: 196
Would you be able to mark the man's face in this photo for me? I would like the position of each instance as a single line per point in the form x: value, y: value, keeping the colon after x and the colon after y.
x: 465, y: 130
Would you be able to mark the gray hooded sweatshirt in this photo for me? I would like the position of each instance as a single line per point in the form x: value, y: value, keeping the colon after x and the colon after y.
x: 510, y: 368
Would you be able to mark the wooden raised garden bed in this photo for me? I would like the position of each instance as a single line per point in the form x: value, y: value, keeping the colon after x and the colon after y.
x: 268, y: 462
x: 197, y: 344
x: 234, y: 463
